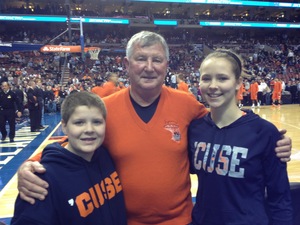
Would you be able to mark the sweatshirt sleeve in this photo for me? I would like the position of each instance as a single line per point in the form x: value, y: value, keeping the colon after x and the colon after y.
x: 41, y: 213
x: 277, y: 185
x: 36, y: 157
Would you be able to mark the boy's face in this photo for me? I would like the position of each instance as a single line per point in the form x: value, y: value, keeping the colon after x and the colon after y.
x: 85, y: 130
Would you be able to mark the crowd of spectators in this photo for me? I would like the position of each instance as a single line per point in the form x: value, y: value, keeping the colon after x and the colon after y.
x: 262, y: 60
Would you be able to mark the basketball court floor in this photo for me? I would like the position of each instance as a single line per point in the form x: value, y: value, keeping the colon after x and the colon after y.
x: 28, y: 143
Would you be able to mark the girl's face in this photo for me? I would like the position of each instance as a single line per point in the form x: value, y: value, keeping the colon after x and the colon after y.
x: 85, y: 130
x: 218, y: 83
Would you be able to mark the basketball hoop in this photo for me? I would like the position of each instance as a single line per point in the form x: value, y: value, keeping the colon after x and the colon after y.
x: 94, y: 53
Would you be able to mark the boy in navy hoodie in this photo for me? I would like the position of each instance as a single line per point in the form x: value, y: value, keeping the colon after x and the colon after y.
x: 84, y: 185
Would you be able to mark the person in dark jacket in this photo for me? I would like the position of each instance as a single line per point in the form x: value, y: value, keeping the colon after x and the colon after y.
x: 3, y: 78
x: 62, y: 94
x: 232, y: 153
x: 39, y: 93
x: 293, y: 90
x: 10, y: 106
x: 33, y: 107
x: 20, y: 95
x: 85, y: 187
x: 49, y: 100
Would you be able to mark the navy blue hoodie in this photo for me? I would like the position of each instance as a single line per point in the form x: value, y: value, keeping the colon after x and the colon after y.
x: 235, y: 165
x: 80, y: 192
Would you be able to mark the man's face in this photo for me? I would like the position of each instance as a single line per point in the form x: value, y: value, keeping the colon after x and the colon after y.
x: 5, y: 86
x: 147, y: 67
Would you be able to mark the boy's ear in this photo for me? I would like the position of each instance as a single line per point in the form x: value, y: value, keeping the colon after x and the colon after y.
x: 64, y: 127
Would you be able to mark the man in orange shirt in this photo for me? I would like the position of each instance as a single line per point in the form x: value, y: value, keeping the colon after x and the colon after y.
x: 98, y: 89
x: 253, y: 93
x: 181, y: 85
x: 111, y: 86
x: 240, y: 95
x: 276, y: 96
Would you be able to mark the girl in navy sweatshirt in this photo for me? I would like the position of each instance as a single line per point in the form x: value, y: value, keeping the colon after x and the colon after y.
x: 232, y: 153
x: 84, y: 185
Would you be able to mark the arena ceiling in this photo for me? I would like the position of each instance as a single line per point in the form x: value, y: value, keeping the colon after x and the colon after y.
x: 104, y: 7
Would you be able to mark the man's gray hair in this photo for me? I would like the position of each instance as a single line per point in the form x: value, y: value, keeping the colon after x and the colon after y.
x: 144, y: 39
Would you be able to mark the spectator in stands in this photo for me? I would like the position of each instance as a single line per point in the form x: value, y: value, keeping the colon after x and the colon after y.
x: 87, y: 77
x: 75, y: 80
x: 62, y: 94
x: 194, y: 89
x: 70, y: 81
x: 50, y: 101
x: 168, y: 79
x: 3, y: 78
x: 55, y: 89
x: 10, y: 78
x: 173, y: 81
x: 73, y: 89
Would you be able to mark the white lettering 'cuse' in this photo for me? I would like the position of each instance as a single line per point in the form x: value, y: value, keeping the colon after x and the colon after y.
x: 229, y: 159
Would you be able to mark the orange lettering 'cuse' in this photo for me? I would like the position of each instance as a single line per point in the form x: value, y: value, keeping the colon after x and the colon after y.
x: 95, y: 197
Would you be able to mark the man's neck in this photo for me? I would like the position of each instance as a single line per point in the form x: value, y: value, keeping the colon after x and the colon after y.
x: 144, y: 99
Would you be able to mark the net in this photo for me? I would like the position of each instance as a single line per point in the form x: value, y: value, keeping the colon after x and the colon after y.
x: 94, y: 53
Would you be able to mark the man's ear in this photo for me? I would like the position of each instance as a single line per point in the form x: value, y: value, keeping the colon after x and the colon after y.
x: 126, y: 62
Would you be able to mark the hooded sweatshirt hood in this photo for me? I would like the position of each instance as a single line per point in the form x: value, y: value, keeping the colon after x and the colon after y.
x: 55, y: 153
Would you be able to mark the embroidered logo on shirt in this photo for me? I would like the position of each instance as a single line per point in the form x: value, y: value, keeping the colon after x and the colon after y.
x: 174, y: 129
